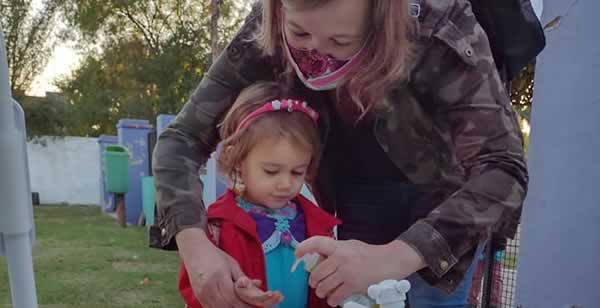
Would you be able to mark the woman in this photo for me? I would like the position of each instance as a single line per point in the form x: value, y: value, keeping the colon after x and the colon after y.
x: 423, y: 155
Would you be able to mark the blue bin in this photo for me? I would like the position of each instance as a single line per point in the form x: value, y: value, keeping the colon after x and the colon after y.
x: 213, y: 185
x: 162, y: 121
x: 221, y: 186
x: 107, y: 200
x: 208, y: 175
x: 148, y: 188
x: 133, y: 134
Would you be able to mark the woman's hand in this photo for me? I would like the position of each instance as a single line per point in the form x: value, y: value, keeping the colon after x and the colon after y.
x: 212, y: 272
x: 350, y: 267
x: 249, y: 291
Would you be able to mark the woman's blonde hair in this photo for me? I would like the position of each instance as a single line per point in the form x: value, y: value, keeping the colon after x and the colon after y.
x: 298, y: 127
x: 388, y: 49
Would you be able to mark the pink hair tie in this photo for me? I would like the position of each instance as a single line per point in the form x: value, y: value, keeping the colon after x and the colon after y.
x: 277, y: 105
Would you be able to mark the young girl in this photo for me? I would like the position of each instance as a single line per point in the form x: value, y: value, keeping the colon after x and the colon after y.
x: 270, y: 146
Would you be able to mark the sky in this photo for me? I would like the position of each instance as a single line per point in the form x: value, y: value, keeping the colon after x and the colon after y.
x: 63, y: 61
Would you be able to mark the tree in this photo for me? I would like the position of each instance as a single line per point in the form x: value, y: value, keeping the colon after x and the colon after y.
x: 45, y: 116
x: 29, y: 39
x: 521, y: 97
x: 522, y: 91
x: 152, y: 54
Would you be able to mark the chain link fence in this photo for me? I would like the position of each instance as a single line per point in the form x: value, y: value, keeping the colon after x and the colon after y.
x: 495, y: 277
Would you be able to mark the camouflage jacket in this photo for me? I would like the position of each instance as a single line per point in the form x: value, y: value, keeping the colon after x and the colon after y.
x: 450, y: 129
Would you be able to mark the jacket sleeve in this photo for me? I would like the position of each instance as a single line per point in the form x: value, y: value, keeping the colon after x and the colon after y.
x: 473, y: 108
x: 187, y: 143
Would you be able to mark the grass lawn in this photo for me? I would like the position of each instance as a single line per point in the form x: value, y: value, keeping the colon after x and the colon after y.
x: 83, y: 259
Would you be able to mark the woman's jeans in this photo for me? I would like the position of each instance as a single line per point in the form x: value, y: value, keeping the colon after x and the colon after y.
x: 422, y: 295
x: 379, y: 213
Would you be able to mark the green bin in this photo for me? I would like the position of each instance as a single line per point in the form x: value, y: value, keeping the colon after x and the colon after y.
x: 116, y: 174
x: 148, y: 199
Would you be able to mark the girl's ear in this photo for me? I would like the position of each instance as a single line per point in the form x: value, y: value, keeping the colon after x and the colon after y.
x: 227, y: 151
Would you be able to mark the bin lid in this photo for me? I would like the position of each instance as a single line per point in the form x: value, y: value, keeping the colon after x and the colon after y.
x: 165, y: 119
x: 108, y: 139
x: 134, y: 123
x: 116, y: 149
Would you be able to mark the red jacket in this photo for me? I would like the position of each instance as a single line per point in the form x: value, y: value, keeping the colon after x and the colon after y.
x: 239, y: 239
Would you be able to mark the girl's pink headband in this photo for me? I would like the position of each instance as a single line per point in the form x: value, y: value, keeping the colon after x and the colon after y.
x: 276, y: 105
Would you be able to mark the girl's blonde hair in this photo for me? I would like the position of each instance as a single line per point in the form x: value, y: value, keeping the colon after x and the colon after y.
x: 388, y: 50
x: 298, y: 127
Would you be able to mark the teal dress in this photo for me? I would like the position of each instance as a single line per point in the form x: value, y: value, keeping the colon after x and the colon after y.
x: 280, y: 231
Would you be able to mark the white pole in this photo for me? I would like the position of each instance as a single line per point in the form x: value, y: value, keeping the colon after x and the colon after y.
x: 16, y: 219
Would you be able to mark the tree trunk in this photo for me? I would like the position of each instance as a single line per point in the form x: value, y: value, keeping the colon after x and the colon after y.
x: 215, y: 14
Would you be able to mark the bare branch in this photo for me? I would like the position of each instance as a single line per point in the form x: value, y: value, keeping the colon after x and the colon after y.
x: 141, y: 28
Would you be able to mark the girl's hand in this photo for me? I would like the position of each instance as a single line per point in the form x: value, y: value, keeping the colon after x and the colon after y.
x: 350, y: 267
x: 249, y: 292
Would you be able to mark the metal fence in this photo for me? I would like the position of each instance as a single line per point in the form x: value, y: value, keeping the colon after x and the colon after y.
x: 494, y: 281
x: 495, y: 285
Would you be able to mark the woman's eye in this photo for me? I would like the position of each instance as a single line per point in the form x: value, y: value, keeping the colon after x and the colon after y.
x: 341, y: 44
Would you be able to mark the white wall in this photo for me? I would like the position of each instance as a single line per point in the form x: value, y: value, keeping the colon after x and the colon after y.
x: 65, y: 170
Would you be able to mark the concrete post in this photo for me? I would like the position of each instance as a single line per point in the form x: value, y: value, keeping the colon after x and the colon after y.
x: 560, y: 237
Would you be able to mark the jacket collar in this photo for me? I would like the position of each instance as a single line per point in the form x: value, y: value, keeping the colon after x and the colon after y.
x: 318, y: 222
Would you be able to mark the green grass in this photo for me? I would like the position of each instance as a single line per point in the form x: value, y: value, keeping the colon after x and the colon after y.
x: 82, y: 258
